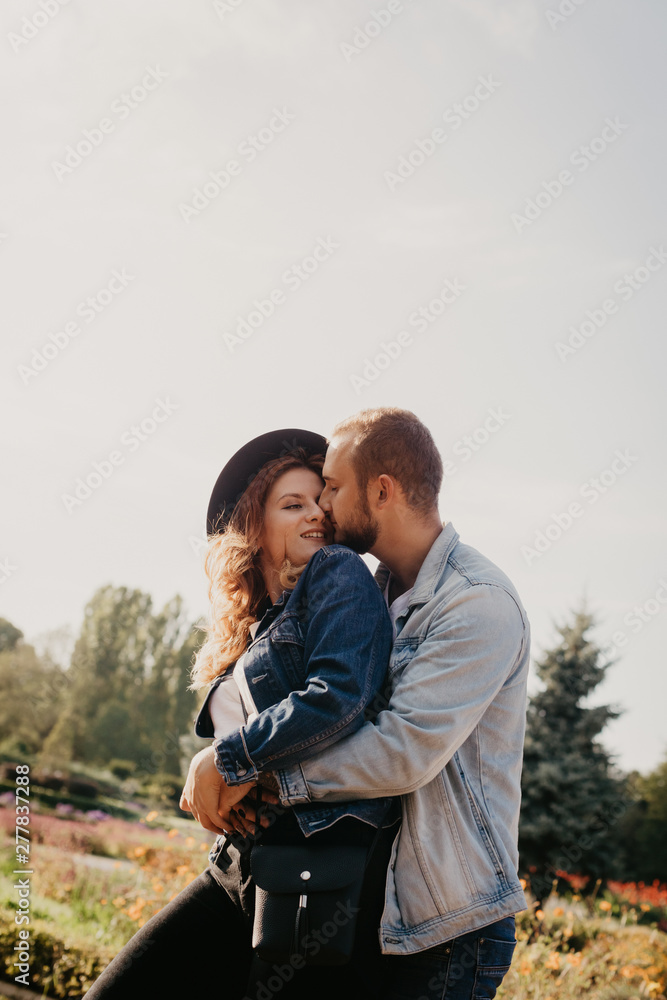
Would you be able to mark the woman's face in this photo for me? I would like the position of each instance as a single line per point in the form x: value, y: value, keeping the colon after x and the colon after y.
x: 295, y: 526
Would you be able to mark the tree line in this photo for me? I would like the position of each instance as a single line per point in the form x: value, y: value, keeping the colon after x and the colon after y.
x: 122, y: 699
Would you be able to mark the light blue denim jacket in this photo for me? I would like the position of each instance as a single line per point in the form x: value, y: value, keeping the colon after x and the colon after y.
x: 450, y: 743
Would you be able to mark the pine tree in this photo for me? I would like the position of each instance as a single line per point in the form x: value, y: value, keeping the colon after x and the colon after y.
x: 573, y: 795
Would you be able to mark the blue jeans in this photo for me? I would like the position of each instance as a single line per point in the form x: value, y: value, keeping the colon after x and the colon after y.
x: 471, y: 967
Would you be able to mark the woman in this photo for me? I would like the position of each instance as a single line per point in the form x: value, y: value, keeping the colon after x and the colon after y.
x: 298, y: 644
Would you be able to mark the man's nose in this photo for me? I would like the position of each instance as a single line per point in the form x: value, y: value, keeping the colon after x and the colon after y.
x: 324, y: 502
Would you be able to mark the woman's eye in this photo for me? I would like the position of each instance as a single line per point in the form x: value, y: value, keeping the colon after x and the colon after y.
x: 291, y: 506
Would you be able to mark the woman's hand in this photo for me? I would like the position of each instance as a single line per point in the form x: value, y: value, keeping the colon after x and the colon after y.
x: 205, y: 791
x: 216, y: 805
x: 246, y: 817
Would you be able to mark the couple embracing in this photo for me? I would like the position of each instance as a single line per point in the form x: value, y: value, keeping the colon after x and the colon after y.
x: 367, y: 737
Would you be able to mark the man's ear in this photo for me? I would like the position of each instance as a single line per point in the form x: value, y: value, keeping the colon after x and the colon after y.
x: 385, y: 491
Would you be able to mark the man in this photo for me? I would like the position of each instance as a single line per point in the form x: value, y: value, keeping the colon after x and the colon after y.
x: 449, y: 740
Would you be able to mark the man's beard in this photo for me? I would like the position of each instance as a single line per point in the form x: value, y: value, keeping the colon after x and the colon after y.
x: 361, y: 535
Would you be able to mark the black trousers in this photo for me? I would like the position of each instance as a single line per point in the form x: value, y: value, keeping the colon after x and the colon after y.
x: 199, y: 944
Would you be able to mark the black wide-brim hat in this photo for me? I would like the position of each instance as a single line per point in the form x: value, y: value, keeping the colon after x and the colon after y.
x: 242, y: 468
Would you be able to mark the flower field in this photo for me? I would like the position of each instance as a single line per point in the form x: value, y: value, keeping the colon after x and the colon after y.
x: 606, y: 945
x: 97, y: 880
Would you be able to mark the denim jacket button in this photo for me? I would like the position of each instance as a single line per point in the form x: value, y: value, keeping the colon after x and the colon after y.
x: 240, y: 770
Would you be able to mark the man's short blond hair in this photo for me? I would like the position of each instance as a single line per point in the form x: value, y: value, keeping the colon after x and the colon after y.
x: 395, y: 442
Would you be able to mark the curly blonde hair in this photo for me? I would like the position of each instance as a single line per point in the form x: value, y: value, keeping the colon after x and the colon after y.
x: 236, y: 590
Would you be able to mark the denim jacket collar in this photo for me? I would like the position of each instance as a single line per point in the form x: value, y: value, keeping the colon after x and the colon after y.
x: 431, y: 569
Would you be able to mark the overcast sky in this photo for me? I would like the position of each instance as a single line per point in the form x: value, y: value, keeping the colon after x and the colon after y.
x: 223, y: 218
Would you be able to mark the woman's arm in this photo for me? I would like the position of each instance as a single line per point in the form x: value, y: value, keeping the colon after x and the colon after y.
x: 346, y: 651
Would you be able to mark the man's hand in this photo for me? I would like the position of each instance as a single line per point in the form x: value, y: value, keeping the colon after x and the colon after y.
x: 204, y: 791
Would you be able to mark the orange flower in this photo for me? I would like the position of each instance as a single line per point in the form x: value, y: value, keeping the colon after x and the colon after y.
x: 523, y: 883
x: 605, y: 905
x: 189, y: 841
x: 139, y: 852
x: 134, y: 911
x: 153, y: 814
x: 559, y: 911
x: 526, y: 967
x: 119, y: 901
x: 553, y: 961
x: 539, y: 914
x: 203, y: 847
x: 574, y: 958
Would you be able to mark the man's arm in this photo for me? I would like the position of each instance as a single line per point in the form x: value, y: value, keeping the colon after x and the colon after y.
x: 471, y: 650
x: 345, y: 656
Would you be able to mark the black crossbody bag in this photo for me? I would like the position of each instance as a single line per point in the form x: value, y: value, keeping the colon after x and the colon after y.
x: 307, y: 900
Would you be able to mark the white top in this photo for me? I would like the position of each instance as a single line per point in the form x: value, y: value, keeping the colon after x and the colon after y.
x: 227, y: 702
x: 397, y: 607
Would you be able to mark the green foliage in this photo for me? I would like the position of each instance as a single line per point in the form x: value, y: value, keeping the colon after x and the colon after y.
x: 30, y: 689
x: 643, y: 830
x: 9, y: 635
x: 572, y: 794
x: 64, y: 968
x: 122, y: 769
x: 127, y: 697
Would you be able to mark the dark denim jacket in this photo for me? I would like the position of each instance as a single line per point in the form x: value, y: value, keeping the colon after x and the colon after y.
x: 318, y: 659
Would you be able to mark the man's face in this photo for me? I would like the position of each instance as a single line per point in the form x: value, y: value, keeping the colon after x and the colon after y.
x: 345, y: 503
